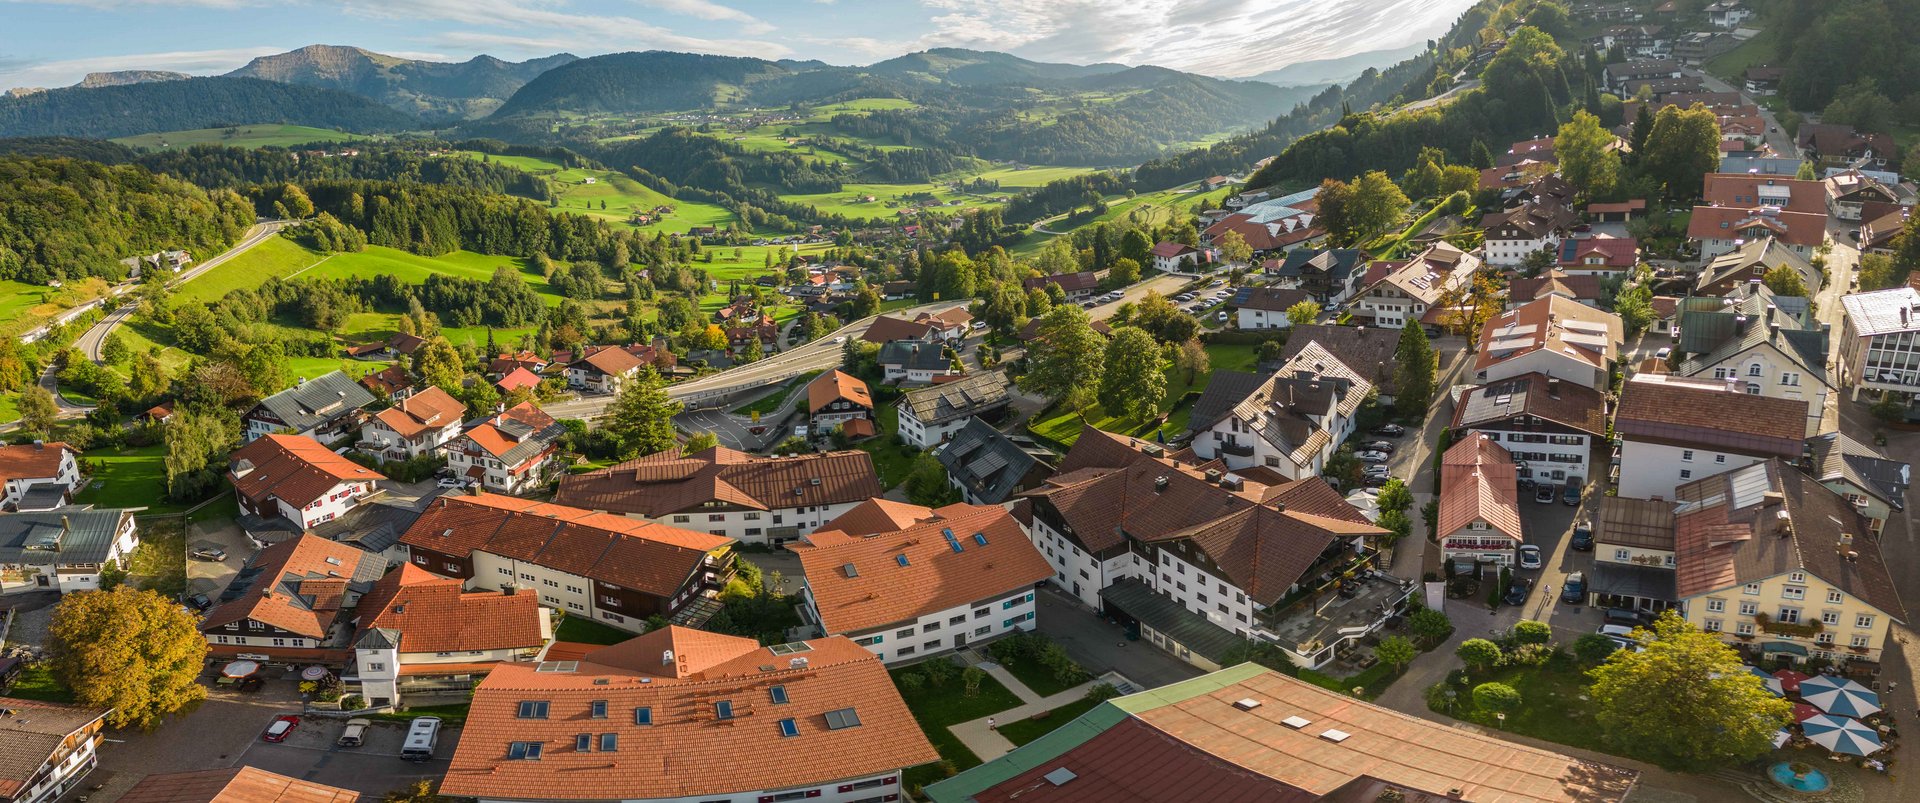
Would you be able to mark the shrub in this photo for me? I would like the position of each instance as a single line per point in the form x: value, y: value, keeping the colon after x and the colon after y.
x: 1531, y: 655
x: 1593, y: 648
x: 1479, y: 654
x: 970, y: 679
x: 1101, y: 692
x: 1430, y: 626
x: 1527, y: 631
x: 912, y: 681
x: 1495, y: 698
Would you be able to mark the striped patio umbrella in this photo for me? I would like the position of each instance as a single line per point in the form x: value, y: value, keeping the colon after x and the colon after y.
x: 1772, y: 683
x: 1839, y: 696
x: 1842, y: 735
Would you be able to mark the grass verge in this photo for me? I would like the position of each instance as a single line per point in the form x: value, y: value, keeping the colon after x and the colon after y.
x: 36, y: 682
x: 938, y: 707
x: 1041, y: 724
x: 587, y: 631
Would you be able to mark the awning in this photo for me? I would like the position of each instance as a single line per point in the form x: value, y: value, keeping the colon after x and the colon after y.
x: 1784, y: 647
x: 1162, y: 614
x: 1629, y: 580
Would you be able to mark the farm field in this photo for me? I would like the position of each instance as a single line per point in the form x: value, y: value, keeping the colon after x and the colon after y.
x: 26, y: 306
x: 613, y: 196
x: 1012, y: 178
x: 246, y: 136
x: 277, y: 257
x: 888, y: 199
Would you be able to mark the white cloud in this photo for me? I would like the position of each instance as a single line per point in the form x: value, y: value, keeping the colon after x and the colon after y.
x: 68, y: 71
x: 703, y: 9
x: 547, y: 21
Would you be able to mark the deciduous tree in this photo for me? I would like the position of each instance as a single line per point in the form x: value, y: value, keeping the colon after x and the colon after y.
x: 1192, y: 359
x: 927, y: 483
x: 38, y: 412
x: 1396, y: 651
x: 1478, y: 654
x: 1066, y: 361
x: 1785, y: 281
x: 1132, y: 384
x: 1682, y: 147
x: 1685, y: 701
x: 437, y: 363
x: 135, y: 652
x: 1233, y: 248
x: 1415, y: 371
x: 1587, y: 158
x: 1303, y: 313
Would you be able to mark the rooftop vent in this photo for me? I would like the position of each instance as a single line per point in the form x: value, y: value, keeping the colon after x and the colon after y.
x: 798, y: 662
x: 1160, y: 483
x: 1246, y: 704
x: 1296, y: 722
x: 1334, y: 735
x: 666, y: 657
x: 1060, y: 776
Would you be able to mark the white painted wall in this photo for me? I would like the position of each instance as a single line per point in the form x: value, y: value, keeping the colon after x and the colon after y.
x: 1648, y: 470
x: 939, y: 631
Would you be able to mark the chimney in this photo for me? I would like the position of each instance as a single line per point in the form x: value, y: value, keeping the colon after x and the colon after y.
x: 66, y: 524
x: 39, y: 445
x: 1739, y: 323
x: 1553, y: 387
x: 666, y: 657
x: 1160, y: 483
x: 509, y: 590
x: 1213, y: 476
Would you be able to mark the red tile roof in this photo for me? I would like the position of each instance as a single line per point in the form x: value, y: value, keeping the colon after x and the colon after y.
x: 435, y: 614
x: 667, y: 482
x: 26, y: 461
x: 295, y: 469
x: 679, y: 676
x: 837, y: 385
x: 1477, y: 483
x: 301, y: 586
x: 233, y: 785
x: 432, y: 408
x: 1744, y: 191
x: 1560, y: 325
x: 879, y: 515
x: 520, y: 378
x: 903, y: 574
x: 389, y: 380
x: 886, y: 329
x: 1668, y: 409
x: 1751, y: 223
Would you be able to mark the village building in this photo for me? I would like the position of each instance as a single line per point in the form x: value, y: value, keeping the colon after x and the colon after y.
x: 1880, y: 343
x: 324, y: 408
x: 988, y: 466
x: 1673, y: 431
x: 915, y: 361
x: 815, y: 720
x: 289, y: 600
x: 929, y: 415
x: 66, y: 550
x: 945, y: 579
x: 515, y: 451
x: 296, y: 479
x: 1291, y: 421
x: 1479, y: 505
x: 41, y: 475
x: 1548, y: 425
x: 611, y: 569
x: 1077, y: 287
x: 837, y: 397
x: 50, y: 748
x: 1772, y: 345
x: 1746, y: 263
x: 1407, y: 292
x: 1633, y: 557
x: 423, y: 634
x: 1267, y: 307
x: 1329, y: 275
x: 1875, y: 484
x: 417, y: 425
x: 756, y: 500
x: 1599, y: 256
x: 233, y: 785
x: 1177, y: 257
x: 1555, y: 336
x: 603, y: 369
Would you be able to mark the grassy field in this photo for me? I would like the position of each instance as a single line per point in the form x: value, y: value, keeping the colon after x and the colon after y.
x: 26, y: 306
x: 772, y: 401
x: 892, y: 461
x: 889, y: 200
x: 587, y: 631
x: 1761, y: 49
x: 613, y: 196
x: 413, y: 268
x: 1029, y: 177
x: 36, y: 682
x: 246, y: 136
x: 1554, y: 704
x: 1064, y: 425
x: 936, y: 708
x: 133, y: 477
x: 277, y: 257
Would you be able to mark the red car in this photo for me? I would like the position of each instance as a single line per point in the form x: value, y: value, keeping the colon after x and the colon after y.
x: 281, y: 727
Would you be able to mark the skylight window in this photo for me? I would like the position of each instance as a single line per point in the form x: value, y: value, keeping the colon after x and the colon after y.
x: 643, y: 716
x: 599, y: 709
x: 778, y: 694
x: 523, y: 751
x: 609, y: 742
x: 723, y: 709
x: 789, y: 728
x: 583, y: 742
x: 842, y: 718
x: 980, y: 538
x: 533, y: 709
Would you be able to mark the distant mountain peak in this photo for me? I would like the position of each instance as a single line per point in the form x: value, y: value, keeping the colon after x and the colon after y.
x: 434, y: 89
x: 124, y: 77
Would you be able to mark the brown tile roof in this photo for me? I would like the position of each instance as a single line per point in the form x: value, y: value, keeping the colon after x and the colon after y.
x: 640, y: 555
x: 295, y: 469
x: 1477, y: 483
x: 1557, y: 324
x: 405, y: 343
x: 233, y: 785
x: 836, y: 385
x: 1367, y: 350
x: 31, y: 736
x: 26, y: 461
x: 1752, y: 223
x: 687, y: 751
x: 1743, y: 190
x: 879, y: 515
x: 493, y: 437
x: 1668, y: 409
x: 389, y: 380
x: 886, y: 329
x: 1767, y: 519
x: 610, y: 360
x: 432, y: 408
x: 1619, y: 253
x: 663, y: 483
x: 434, y: 614
x: 1069, y: 282
x: 1533, y: 394
x: 301, y: 586
x: 1265, y: 551
x: 1131, y: 762
x: 881, y: 588
x: 1580, y: 288
x: 1274, y: 299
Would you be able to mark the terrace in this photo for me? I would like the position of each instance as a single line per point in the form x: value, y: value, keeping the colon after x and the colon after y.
x: 1331, y: 618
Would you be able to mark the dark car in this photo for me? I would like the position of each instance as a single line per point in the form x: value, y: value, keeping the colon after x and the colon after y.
x: 199, y: 602
x: 1378, y: 446
x: 1375, y: 480
x: 1575, y: 590
x: 1570, y: 494
x: 1524, y: 484
x: 1517, y: 592
x: 1628, y: 617
x: 1582, y: 537
x: 1389, y: 430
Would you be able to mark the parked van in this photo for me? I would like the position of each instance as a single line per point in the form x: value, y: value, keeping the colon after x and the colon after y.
x: 355, y: 734
x: 422, y: 735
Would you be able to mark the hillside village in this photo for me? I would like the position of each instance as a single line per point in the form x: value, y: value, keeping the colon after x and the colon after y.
x: 1375, y: 486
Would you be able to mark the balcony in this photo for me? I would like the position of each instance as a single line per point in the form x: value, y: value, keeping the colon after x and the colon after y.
x: 1236, y: 449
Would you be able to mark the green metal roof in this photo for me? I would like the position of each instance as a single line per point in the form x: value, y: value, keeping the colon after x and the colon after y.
x: 1161, y: 613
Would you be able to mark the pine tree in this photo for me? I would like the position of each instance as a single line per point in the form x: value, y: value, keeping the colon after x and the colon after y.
x: 1416, y: 372
x: 641, y: 419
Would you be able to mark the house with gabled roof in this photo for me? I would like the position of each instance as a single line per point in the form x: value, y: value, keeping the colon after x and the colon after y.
x: 297, y: 479
x: 836, y: 397
x: 417, y: 425
x: 1224, y: 548
x: 1875, y: 484
x: 1290, y: 421
x: 1554, y: 336
x: 391, y: 382
x: 989, y: 466
x: 1539, y: 222
x: 1772, y: 345
x: 612, y: 569
x: 887, y: 329
x: 1749, y: 262
x: 1479, y: 504
x: 1078, y: 286
x: 1549, y: 426
x: 1838, y: 144
x: 66, y: 549
x: 1367, y: 351
x: 1720, y: 229
x: 1781, y: 567
x: 949, y: 578
x: 759, y: 500
x: 1851, y: 191
x: 808, y: 720
x: 1267, y: 307
x: 928, y: 415
x: 1674, y: 430
x: 41, y: 475
x: 420, y: 633
x: 1633, y: 557
x: 1399, y: 293
x: 233, y: 785
x: 917, y: 361
x: 325, y: 408
x: 288, y: 601
x: 1329, y: 275
x: 603, y: 369
x: 49, y: 748
x: 1171, y: 257
x: 1554, y: 282
x: 514, y: 451
x: 1599, y: 256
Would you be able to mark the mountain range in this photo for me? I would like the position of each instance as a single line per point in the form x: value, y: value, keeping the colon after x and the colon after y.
x: 433, y: 90
x: 1321, y: 72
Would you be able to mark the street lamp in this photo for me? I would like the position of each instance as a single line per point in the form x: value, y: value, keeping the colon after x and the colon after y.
x: 1502, y: 716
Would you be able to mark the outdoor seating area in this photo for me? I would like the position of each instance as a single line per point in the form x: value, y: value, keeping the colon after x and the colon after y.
x: 1837, y: 714
x: 1332, y: 623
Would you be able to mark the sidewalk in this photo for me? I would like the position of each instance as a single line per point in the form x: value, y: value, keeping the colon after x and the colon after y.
x: 987, y: 743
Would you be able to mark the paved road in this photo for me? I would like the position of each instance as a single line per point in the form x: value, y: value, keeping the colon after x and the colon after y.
x: 1777, y: 137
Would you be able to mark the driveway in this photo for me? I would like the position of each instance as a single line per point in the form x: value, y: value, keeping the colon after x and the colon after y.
x: 1101, y: 646
x: 211, y: 577
x: 733, y: 432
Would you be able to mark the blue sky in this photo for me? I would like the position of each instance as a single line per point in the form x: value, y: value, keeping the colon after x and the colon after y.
x: 55, y: 43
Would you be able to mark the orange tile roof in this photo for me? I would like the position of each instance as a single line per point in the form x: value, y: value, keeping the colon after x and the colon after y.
x: 432, y: 408
x: 836, y: 385
x: 301, y: 586
x: 520, y: 378
x: 1478, y: 483
x: 934, y: 577
x: 687, y: 751
x: 1556, y: 324
x: 295, y: 469
x: 611, y: 360
x: 435, y: 614
x: 640, y: 555
x: 25, y: 461
x: 667, y: 482
x: 1742, y: 190
x: 234, y: 785
x: 388, y: 380
x: 879, y: 515
x: 1752, y: 223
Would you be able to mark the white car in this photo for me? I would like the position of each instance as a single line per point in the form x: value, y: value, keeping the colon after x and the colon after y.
x: 1663, y: 353
x: 1371, y: 457
x: 840, y: 339
x: 447, y: 482
x: 1530, y: 557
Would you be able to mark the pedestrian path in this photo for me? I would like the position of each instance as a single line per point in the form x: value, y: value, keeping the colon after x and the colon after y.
x: 987, y: 743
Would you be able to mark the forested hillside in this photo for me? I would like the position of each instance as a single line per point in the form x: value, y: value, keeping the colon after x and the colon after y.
x: 1856, y: 63
x: 63, y: 219
x: 434, y: 89
x: 221, y: 166
x: 115, y: 111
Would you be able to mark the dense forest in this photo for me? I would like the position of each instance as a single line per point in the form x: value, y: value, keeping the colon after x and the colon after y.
x: 118, y: 111
x: 1856, y: 62
x: 64, y: 219
x: 432, y: 220
x: 223, y: 166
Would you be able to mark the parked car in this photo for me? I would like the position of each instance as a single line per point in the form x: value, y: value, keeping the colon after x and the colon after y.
x: 1575, y: 590
x: 212, y: 554
x: 356, y: 733
x: 1571, y: 493
x: 280, y: 728
x: 1380, y: 470
x: 1216, y: 282
x: 1375, y: 480
x: 1544, y: 494
x: 1663, y: 352
x: 1389, y: 430
x: 1378, y: 446
x: 1370, y: 457
x: 1628, y: 617
x: 1524, y: 484
x: 1220, y: 316
x: 447, y: 482
x: 199, y: 603
x: 1530, y: 557
x: 1518, y: 590
x: 1582, y: 537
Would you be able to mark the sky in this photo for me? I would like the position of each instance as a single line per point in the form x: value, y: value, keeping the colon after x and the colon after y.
x: 56, y: 43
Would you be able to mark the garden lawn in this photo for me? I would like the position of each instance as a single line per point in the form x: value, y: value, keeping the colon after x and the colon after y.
x: 1063, y: 426
x: 888, y: 200
x: 1027, y: 730
x: 893, y: 461
x: 937, y: 708
x: 36, y: 682
x: 587, y: 631
x: 1012, y: 178
x: 26, y: 306
x: 1036, y: 677
x: 133, y: 477
x: 451, y: 716
x: 1551, y: 707
x: 159, y: 563
x: 246, y: 136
